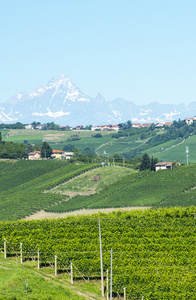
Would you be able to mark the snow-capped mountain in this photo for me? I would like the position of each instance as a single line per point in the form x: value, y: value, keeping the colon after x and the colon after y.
x: 62, y: 102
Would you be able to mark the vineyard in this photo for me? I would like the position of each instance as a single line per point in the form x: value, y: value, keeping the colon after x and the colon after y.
x: 23, y: 184
x: 153, y: 252
x: 158, y: 189
x: 30, y: 186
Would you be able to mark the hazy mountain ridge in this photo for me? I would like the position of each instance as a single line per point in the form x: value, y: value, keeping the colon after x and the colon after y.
x: 65, y: 104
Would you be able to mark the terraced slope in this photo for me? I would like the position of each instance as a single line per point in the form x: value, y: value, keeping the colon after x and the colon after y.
x: 23, y: 184
x: 164, y: 188
x: 30, y: 186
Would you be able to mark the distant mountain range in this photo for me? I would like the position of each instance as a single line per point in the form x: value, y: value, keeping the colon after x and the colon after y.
x: 60, y: 101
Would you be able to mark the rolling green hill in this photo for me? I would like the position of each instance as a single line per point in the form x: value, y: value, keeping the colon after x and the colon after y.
x: 167, y: 143
x: 23, y: 184
x: 147, y: 188
x: 54, y: 186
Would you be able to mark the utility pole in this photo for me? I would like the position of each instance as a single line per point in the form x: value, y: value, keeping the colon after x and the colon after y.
x: 101, y: 260
x: 187, y: 155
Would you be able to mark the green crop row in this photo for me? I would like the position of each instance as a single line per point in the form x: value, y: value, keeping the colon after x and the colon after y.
x: 164, y: 188
x: 26, y: 193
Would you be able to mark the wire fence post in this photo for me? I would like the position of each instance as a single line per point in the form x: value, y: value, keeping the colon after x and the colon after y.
x: 111, y: 278
x: 107, y: 286
x: 124, y: 293
x: 5, y: 254
x: 55, y: 264
x: 71, y: 274
x: 38, y: 265
x: 21, y: 253
x: 101, y: 260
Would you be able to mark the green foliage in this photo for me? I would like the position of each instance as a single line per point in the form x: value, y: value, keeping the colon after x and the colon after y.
x: 88, y: 127
x: 97, y: 135
x: 52, y: 126
x: 153, y: 251
x: 74, y: 137
x: 12, y: 150
x: 17, y: 125
x: 46, y: 150
x: 68, y: 147
x: 29, y: 148
x: 145, y: 164
x: 125, y: 125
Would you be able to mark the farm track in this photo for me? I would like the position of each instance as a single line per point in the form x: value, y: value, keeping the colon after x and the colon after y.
x: 46, y: 215
x: 173, y: 146
x: 66, y: 284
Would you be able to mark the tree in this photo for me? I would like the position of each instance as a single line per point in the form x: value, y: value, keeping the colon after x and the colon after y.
x: 145, y: 164
x: 46, y: 150
x: 153, y: 162
x: 29, y: 148
x: 53, y: 126
x: 152, y: 127
x: 88, y: 127
x: 0, y: 137
x: 97, y: 135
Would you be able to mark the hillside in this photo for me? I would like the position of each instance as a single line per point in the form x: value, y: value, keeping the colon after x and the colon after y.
x: 23, y: 184
x: 25, y: 281
x: 153, y: 253
x: 54, y: 186
x: 165, y: 143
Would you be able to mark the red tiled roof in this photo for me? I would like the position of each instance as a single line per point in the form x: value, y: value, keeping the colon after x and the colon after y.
x: 34, y: 152
x: 57, y: 151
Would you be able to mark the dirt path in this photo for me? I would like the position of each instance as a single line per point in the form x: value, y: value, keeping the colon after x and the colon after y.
x: 173, y: 146
x: 46, y: 215
x: 102, y: 145
x: 64, y: 283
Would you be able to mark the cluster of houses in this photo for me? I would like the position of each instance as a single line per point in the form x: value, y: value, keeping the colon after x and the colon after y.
x: 99, y: 127
x: 56, y: 154
x: 157, y: 125
x: 109, y: 127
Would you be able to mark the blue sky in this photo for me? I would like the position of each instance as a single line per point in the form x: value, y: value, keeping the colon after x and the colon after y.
x: 142, y: 51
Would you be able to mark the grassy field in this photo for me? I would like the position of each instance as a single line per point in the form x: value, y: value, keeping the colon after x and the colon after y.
x: 94, y: 181
x: 25, y: 281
